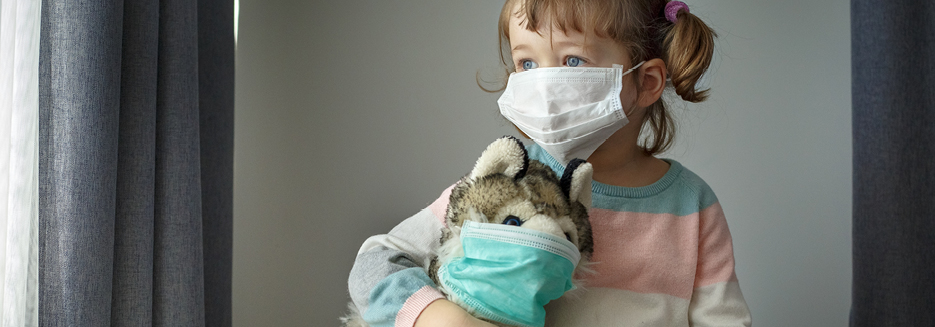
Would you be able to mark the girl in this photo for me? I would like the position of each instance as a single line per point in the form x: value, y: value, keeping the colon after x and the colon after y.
x: 587, y: 78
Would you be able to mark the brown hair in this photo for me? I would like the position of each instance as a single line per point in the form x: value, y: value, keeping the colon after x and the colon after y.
x: 685, y: 46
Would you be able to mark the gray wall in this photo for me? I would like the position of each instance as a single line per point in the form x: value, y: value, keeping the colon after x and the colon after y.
x: 353, y: 115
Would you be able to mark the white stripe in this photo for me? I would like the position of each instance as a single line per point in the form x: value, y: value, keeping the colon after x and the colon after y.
x: 719, y: 304
x: 600, y: 307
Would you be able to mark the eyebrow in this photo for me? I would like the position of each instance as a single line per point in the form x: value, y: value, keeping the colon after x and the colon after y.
x: 569, y: 44
x: 557, y: 44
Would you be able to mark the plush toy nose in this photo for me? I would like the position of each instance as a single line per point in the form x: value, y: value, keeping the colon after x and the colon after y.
x: 545, y: 224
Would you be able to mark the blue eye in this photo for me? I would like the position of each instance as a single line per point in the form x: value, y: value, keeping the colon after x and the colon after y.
x: 512, y: 220
x: 528, y: 64
x: 574, y: 62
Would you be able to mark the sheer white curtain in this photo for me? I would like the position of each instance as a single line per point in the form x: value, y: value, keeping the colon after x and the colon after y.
x: 19, y: 157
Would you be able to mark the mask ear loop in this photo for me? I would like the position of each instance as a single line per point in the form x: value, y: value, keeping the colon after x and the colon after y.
x: 634, y: 68
x: 625, y: 74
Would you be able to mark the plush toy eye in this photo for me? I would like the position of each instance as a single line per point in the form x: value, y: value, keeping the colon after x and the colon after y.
x: 568, y: 237
x: 512, y: 220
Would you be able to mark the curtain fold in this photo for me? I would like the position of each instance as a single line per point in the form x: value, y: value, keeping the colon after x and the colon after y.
x: 135, y: 163
x: 893, y: 95
x: 216, y: 104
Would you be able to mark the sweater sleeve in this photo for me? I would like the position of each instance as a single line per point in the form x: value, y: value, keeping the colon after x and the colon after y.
x: 716, y: 300
x: 388, y: 283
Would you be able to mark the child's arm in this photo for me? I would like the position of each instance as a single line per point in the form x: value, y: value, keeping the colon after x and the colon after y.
x: 716, y: 300
x: 388, y: 283
x: 445, y: 313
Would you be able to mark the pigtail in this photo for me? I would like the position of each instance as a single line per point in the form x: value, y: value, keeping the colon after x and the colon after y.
x: 688, y: 47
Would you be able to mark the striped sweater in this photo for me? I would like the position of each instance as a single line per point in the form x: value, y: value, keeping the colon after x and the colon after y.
x: 662, y: 257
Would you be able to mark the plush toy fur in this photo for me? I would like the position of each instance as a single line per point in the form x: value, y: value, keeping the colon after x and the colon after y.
x: 506, y: 183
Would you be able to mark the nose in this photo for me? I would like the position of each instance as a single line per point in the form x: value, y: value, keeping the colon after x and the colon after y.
x: 549, y: 63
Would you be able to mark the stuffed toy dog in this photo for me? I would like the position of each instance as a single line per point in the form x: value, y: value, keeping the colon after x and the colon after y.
x: 508, y: 192
x: 515, y: 236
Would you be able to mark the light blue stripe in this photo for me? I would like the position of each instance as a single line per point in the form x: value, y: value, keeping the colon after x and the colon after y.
x: 679, y: 192
x: 388, y: 297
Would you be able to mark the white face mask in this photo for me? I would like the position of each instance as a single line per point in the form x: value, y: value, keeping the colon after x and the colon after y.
x: 568, y: 111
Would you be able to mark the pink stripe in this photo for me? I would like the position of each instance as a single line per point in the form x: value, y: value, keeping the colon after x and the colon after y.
x: 659, y: 253
x: 415, y: 304
x: 644, y: 252
x: 716, y: 264
x: 440, y: 206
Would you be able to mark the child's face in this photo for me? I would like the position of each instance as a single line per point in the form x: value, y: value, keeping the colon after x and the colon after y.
x: 553, y: 48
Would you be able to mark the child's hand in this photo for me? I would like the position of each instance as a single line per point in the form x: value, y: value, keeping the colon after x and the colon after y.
x: 445, y: 313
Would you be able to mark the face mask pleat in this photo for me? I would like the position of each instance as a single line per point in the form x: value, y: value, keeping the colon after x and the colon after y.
x: 509, y: 273
x: 566, y: 110
x: 522, y: 236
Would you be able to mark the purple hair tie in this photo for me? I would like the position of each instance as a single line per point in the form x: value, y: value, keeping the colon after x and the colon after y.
x: 673, y: 8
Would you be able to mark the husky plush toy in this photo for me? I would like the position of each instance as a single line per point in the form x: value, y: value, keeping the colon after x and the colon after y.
x: 507, y: 188
x: 515, y: 235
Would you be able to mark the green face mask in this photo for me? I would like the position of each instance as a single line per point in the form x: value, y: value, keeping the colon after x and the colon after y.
x: 509, y: 273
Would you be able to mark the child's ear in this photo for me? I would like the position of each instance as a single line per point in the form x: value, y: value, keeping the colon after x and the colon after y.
x: 652, y: 82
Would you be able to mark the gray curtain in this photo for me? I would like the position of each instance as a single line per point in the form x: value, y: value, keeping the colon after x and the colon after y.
x: 136, y: 163
x: 893, y: 56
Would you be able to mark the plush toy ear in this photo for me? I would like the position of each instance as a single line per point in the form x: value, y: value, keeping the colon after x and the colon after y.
x: 506, y: 155
x: 576, y: 181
